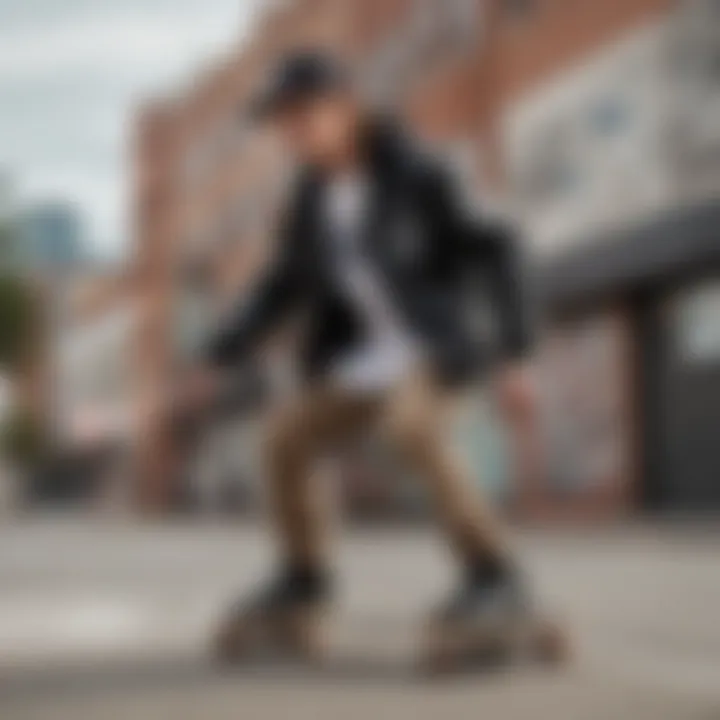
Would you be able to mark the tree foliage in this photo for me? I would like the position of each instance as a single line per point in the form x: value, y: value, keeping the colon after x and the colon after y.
x: 17, y: 320
x: 22, y: 440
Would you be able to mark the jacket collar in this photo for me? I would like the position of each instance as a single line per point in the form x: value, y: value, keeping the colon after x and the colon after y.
x: 384, y: 145
x: 383, y: 148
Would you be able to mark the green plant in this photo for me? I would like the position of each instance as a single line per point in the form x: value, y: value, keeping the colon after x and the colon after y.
x: 17, y: 320
x: 22, y: 440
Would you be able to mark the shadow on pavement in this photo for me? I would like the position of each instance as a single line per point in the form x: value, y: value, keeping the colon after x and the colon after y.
x: 188, y: 673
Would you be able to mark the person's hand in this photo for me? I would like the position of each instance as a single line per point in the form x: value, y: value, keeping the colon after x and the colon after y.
x: 515, y: 391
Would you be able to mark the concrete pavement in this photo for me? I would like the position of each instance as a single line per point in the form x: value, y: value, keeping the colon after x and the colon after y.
x: 103, y: 620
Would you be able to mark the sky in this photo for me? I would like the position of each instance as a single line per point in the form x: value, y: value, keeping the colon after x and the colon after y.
x: 71, y: 73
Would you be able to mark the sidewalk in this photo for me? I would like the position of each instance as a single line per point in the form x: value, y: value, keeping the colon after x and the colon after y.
x: 112, y: 621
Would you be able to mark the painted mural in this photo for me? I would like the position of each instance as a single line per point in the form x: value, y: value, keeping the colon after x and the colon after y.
x: 582, y: 368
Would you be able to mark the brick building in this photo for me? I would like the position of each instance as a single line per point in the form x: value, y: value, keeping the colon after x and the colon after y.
x: 614, y: 163
x: 473, y: 76
x: 91, y: 407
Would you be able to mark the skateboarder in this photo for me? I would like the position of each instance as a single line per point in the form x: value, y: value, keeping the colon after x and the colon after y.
x: 373, y: 247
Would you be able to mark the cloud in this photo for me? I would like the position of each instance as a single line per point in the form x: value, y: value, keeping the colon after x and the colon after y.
x: 70, y: 76
x: 127, y: 45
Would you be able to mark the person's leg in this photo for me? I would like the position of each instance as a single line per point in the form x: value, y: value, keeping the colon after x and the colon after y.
x: 415, y: 420
x: 491, y: 613
x: 299, y: 434
x: 291, y: 604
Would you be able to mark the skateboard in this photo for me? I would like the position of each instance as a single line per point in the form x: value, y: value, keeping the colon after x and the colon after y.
x: 452, y: 646
x: 249, y: 634
x: 300, y: 637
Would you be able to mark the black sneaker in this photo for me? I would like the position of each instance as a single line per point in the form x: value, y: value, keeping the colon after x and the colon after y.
x: 485, y: 600
x: 486, y: 623
x: 289, y: 590
x: 283, y: 616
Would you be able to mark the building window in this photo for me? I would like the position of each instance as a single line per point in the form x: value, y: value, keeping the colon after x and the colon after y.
x: 447, y: 25
x: 518, y: 9
x: 609, y: 117
x: 697, y: 329
x: 194, y: 308
x: 696, y: 71
x: 433, y: 32
x: 550, y: 170
x: 582, y: 376
x: 223, y: 142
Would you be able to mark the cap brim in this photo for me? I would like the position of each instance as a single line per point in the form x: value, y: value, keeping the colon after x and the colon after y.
x: 270, y: 103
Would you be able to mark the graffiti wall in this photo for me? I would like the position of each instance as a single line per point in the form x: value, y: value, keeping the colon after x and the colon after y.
x: 586, y: 438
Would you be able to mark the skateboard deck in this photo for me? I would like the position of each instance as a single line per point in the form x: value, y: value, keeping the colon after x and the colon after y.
x: 303, y: 638
x: 295, y: 635
x: 536, y: 638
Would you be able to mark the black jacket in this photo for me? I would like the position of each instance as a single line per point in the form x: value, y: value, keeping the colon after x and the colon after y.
x: 421, y: 240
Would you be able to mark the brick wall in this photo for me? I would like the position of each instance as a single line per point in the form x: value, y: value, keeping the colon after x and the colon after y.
x: 203, y: 186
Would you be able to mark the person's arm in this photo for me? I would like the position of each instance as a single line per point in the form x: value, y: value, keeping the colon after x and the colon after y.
x: 490, y: 247
x: 242, y: 329
x: 252, y: 319
x: 499, y: 250
x: 264, y: 307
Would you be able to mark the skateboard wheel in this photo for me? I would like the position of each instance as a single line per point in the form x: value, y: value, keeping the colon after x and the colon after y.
x: 232, y: 642
x: 294, y: 635
x: 551, y: 644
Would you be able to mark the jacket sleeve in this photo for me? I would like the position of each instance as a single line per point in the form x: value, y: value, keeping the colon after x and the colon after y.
x: 499, y: 249
x: 261, y: 310
x: 492, y: 248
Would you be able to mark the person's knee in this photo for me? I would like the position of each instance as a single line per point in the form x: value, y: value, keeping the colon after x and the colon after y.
x: 286, y: 435
x: 411, y: 433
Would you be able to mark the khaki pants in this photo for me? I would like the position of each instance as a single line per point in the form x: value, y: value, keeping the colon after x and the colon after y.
x: 411, y: 418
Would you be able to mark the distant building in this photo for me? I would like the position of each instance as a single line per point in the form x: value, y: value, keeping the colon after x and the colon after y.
x: 50, y: 236
x: 91, y: 403
x: 43, y: 242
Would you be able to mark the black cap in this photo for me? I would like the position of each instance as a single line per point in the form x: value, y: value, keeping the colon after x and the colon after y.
x: 296, y: 78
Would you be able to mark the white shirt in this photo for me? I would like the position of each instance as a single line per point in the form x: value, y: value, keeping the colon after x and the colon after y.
x: 389, y: 351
